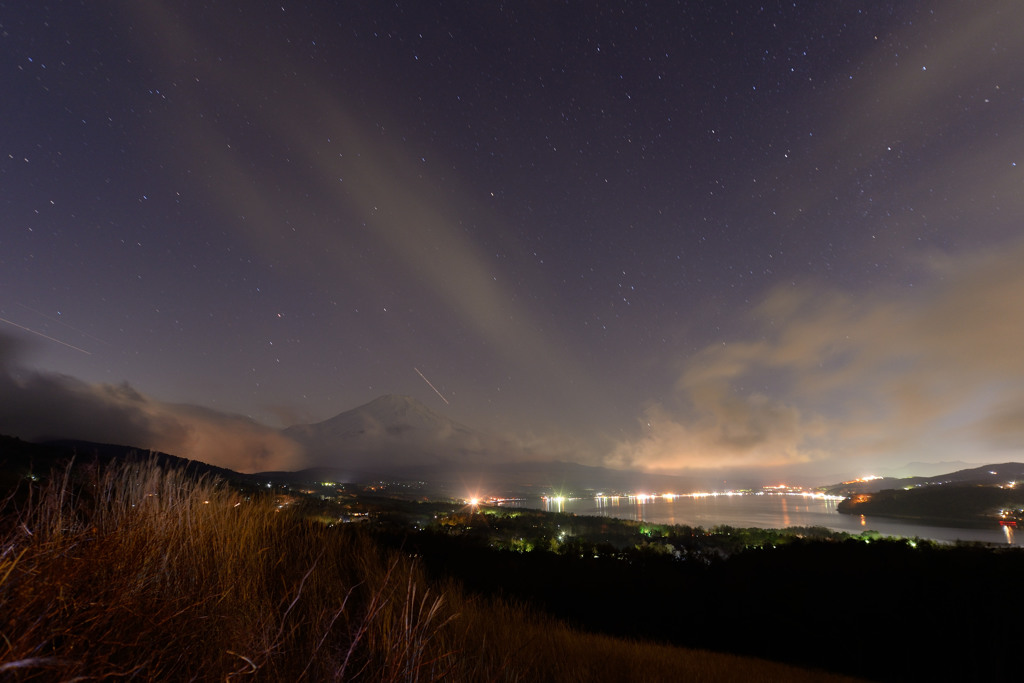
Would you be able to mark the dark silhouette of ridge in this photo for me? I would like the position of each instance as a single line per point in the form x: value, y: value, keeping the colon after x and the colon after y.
x: 20, y: 458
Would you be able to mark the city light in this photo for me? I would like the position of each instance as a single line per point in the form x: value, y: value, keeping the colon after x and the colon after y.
x: 644, y: 498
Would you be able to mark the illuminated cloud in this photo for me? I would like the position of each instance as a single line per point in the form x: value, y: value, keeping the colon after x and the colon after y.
x: 39, y: 406
x: 890, y: 376
x: 722, y: 433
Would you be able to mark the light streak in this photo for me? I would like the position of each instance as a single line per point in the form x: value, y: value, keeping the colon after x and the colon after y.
x: 432, y: 386
x: 45, y: 336
x: 58, y: 320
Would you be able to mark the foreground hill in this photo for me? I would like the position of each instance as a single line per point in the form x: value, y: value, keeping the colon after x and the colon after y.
x: 143, y: 572
x: 140, y: 570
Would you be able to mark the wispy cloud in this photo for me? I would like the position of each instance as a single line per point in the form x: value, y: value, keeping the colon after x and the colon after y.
x: 389, y: 194
x: 888, y: 376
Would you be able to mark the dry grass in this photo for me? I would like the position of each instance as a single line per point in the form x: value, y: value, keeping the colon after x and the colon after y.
x: 140, y: 572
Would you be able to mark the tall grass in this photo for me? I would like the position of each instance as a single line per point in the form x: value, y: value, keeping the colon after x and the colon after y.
x: 139, y: 572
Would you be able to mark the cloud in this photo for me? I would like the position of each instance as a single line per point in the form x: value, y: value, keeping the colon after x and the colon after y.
x: 385, y: 197
x: 824, y: 374
x: 1003, y: 427
x: 726, y: 432
x: 38, y: 406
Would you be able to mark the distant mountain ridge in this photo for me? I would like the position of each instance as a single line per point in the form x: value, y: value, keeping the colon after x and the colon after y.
x: 495, y: 476
x: 984, y: 475
x: 927, y: 469
x: 398, y: 437
x: 394, y: 414
x: 507, y: 478
x: 390, y: 433
x: 975, y: 497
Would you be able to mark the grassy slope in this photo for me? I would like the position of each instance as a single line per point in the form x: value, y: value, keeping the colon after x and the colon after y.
x: 139, y: 571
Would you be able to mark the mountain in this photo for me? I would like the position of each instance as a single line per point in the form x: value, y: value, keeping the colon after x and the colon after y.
x: 393, y: 433
x: 979, y: 496
x: 986, y: 475
x: 926, y: 469
x: 399, y: 438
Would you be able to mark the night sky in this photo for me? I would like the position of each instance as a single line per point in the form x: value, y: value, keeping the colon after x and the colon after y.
x: 657, y: 235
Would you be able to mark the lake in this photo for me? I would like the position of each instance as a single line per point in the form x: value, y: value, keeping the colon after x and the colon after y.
x: 770, y: 511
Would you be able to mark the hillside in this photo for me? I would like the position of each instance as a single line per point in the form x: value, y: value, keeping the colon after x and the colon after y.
x: 974, y: 497
x: 1001, y: 474
x: 21, y: 459
x: 142, y: 571
x: 966, y: 505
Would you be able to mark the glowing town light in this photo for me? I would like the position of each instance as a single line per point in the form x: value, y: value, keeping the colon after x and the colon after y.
x: 474, y: 501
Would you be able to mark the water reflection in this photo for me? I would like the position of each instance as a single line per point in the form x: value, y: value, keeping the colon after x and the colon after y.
x: 767, y: 511
x: 555, y: 503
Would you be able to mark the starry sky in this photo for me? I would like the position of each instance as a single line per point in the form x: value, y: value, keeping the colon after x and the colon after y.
x: 668, y: 236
